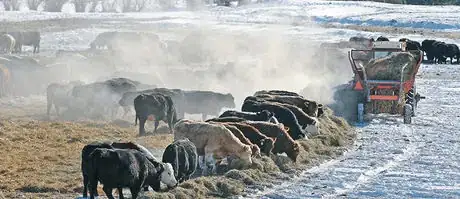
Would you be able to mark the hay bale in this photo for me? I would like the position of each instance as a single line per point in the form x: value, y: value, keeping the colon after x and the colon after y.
x: 389, y: 67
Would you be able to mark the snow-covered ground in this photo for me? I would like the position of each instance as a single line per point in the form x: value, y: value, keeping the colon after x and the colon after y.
x: 391, y: 159
x: 289, y: 12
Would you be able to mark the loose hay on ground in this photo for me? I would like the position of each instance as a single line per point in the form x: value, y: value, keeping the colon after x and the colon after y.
x: 44, y: 157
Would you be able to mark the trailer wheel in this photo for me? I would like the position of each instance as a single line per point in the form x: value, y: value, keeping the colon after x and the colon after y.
x: 410, y: 99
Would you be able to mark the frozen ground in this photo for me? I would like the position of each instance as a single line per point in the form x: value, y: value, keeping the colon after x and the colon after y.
x: 390, y: 160
x: 289, y: 12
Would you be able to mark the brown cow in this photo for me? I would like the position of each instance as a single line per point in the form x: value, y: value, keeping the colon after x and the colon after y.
x: 255, y: 149
x: 213, y: 141
x: 265, y: 143
x: 284, y: 142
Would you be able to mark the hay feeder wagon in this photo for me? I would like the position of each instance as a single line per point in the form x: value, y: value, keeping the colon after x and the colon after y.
x: 399, y: 91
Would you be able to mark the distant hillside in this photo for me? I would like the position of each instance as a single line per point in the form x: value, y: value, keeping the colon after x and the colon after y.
x: 416, y: 2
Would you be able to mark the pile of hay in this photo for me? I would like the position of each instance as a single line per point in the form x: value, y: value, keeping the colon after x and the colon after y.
x: 335, y: 136
x: 389, y: 67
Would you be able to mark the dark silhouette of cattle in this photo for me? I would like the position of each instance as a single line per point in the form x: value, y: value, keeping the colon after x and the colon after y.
x: 259, y: 116
x: 226, y: 119
x: 427, y: 47
x: 126, y: 168
x: 382, y: 38
x: 284, y: 115
x: 31, y: 39
x: 207, y: 103
x: 126, y: 101
x: 154, y: 106
x: 183, y: 157
x: 452, y: 51
x: 411, y: 44
x: 440, y: 50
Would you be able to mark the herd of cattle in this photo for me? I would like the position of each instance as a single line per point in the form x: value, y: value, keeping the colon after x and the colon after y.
x: 436, y: 52
x: 270, y: 123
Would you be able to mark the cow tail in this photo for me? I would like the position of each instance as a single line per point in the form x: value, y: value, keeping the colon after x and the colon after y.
x: 135, y: 120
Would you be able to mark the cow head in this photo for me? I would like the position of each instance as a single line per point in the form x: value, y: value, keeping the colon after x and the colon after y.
x: 265, y: 114
x: 167, y: 175
x: 267, y: 145
x: 293, y: 152
x: 312, y: 129
x: 228, y: 100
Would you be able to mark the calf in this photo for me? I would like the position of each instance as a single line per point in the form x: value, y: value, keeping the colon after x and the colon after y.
x: 212, y: 141
x: 120, y: 168
x: 255, y: 149
x: 183, y: 157
x: 265, y: 143
x: 283, y: 142
x: 283, y: 114
x: 259, y: 116
x: 155, y: 106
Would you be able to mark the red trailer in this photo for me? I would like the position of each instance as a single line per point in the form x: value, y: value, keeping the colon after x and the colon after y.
x: 400, y: 90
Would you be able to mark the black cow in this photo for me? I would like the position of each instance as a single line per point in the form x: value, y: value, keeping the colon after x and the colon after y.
x: 440, y: 50
x: 176, y: 95
x: 31, y: 39
x: 382, y: 38
x: 226, y: 119
x: 259, y: 116
x: 183, y: 157
x: 276, y: 92
x: 88, y: 149
x: 427, y: 47
x: 158, y: 105
x: 411, y: 44
x: 207, y: 102
x: 284, y: 115
x: 121, y: 168
x: 452, y: 51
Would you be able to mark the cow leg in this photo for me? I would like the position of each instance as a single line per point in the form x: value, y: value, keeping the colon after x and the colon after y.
x: 142, y: 120
x: 85, y: 186
x: 120, y: 193
x: 48, y: 109
x: 108, y: 192
x: 135, y: 192
x: 157, y: 122
x: 93, y: 187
